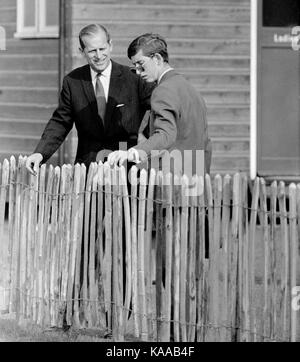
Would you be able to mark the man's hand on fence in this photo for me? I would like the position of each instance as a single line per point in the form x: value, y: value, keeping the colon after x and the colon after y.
x: 32, y: 163
x: 119, y: 157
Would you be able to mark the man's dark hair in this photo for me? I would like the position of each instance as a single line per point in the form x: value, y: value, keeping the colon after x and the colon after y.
x: 92, y: 29
x: 150, y: 44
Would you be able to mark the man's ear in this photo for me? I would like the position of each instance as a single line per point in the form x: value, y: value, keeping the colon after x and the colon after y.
x: 158, y: 58
x: 81, y: 50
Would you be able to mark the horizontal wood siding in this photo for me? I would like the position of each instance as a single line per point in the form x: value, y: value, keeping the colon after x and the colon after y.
x: 208, y: 41
x: 28, y: 87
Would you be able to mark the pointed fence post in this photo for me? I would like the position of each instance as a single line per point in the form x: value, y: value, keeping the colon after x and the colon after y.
x: 54, y: 252
x: 167, y: 197
x: 32, y: 242
x: 192, y: 286
x: 78, y: 259
x: 4, y: 244
x: 159, y: 255
x: 273, y: 263
x: 150, y: 258
x: 108, y: 245
x: 11, y: 228
x: 92, y: 251
x: 128, y: 261
x: 252, y: 259
x: 224, y: 252
x: 134, y: 270
x: 293, y: 253
x: 244, y: 263
x: 285, y: 260
x: 74, y: 240
x: 183, y: 258
x: 202, y: 267
x: 117, y: 292
x: 177, y: 252
x: 212, y: 257
x: 141, y: 255
x: 233, y: 257
x: 47, y: 245
x: 266, y: 242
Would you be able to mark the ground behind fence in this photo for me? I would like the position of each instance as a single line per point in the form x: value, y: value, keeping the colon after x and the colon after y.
x: 161, y: 259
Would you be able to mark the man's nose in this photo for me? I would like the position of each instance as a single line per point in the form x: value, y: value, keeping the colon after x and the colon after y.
x: 98, y: 53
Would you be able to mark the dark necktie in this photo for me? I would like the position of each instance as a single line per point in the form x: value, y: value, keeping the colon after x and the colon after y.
x: 100, y: 97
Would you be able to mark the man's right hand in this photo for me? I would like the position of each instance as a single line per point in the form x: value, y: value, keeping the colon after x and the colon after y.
x: 32, y: 163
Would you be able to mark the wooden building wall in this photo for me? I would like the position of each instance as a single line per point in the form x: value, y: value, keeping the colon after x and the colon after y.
x: 209, y: 41
x: 28, y: 87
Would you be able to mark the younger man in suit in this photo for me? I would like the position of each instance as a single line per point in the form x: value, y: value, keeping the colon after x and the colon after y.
x: 178, y: 113
x: 105, y: 100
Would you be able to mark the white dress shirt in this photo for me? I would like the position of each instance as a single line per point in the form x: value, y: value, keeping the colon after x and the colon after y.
x: 104, y: 78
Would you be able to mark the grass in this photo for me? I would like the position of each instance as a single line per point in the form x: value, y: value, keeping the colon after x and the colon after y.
x: 11, y: 331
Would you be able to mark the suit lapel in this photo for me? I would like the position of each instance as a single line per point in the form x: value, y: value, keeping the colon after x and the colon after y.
x: 89, y: 90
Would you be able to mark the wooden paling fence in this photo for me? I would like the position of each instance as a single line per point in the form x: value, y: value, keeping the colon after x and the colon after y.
x: 159, y: 259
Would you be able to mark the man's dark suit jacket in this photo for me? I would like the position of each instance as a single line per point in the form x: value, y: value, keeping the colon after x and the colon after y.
x: 128, y: 99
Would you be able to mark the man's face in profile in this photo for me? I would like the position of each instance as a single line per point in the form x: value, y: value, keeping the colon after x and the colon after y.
x: 146, y: 66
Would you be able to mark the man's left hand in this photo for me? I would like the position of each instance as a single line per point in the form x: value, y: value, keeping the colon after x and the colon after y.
x: 117, y: 158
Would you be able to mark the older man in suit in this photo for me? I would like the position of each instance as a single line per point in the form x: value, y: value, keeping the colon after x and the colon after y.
x: 177, y: 121
x: 105, y: 100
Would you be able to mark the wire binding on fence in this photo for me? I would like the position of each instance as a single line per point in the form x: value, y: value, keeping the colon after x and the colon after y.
x: 150, y: 257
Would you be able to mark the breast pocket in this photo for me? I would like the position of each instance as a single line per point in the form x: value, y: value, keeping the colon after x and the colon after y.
x: 124, y: 111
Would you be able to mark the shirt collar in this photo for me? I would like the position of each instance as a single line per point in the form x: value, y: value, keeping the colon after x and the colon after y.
x: 106, y: 72
x: 163, y: 73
